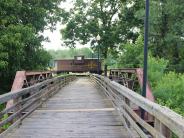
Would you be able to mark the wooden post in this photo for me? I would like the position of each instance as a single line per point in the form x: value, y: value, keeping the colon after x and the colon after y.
x: 17, y: 108
x: 127, y: 101
x: 162, y: 129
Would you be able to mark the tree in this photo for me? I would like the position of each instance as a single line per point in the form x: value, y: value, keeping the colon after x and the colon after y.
x: 166, y: 34
x: 90, y: 18
x: 166, y: 38
x: 131, y: 54
x: 115, y: 21
x: 21, y: 24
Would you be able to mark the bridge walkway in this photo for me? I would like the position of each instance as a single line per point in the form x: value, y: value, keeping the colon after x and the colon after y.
x: 79, y: 110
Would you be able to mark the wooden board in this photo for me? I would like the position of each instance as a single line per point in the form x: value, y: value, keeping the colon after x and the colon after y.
x: 79, y: 110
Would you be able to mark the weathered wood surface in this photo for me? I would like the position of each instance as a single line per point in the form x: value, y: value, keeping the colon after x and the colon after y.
x: 79, y: 110
x: 24, y: 104
x: 166, y: 120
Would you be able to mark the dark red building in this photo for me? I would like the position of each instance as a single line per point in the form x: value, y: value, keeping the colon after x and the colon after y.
x: 77, y: 65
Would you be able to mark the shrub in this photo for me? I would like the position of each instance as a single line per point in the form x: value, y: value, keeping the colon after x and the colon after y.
x: 169, y: 91
x: 131, y: 54
x: 168, y: 88
x: 4, y: 127
x: 156, y: 69
x: 2, y: 106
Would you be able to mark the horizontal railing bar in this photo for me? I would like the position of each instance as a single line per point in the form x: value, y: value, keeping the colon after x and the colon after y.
x: 38, y: 91
x: 169, y: 118
x: 115, y: 103
x: 7, y: 110
x: 12, y: 95
x: 143, y: 123
x: 13, y: 116
x: 172, y: 120
x: 133, y: 123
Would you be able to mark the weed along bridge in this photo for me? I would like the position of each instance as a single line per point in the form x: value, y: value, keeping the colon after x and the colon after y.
x: 91, y: 106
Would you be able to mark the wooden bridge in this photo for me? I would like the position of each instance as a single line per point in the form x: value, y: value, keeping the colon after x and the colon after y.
x: 88, y: 107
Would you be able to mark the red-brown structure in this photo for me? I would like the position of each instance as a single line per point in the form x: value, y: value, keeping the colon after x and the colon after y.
x: 79, y: 64
x: 25, y: 79
x: 132, y: 78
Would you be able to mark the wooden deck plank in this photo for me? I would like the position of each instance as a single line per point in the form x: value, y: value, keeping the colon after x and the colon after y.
x: 79, y: 110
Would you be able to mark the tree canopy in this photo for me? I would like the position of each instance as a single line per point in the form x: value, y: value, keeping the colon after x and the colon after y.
x: 121, y: 21
x: 21, y: 24
x: 166, y: 32
x: 105, y: 18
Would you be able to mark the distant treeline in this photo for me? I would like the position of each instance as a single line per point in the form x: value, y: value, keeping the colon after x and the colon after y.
x: 70, y: 53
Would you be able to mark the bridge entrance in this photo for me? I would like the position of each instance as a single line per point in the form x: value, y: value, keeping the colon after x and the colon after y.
x: 78, y: 110
x: 91, y: 106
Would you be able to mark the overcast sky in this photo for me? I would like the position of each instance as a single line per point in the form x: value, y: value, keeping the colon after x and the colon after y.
x: 55, y: 36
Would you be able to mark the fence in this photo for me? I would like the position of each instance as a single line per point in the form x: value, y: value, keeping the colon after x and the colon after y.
x: 166, y: 122
x: 28, y: 99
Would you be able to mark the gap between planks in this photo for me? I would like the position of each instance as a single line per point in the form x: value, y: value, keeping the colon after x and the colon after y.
x: 77, y: 110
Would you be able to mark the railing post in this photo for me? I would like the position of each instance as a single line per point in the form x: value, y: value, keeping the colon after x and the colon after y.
x: 44, y: 95
x: 60, y: 83
x: 162, y: 129
x: 18, y: 107
x: 127, y: 101
x: 64, y: 80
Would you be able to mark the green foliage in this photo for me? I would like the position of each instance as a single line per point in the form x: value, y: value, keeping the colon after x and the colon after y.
x: 168, y: 88
x: 88, y: 19
x: 4, y: 127
x: 131, y: 54
x: 156, y: 69
x: 106, y: 18
x: 116, y: 21
x: 2, y: 106
x: 169, y: 91
x: 21, y: 24
x: 110, y: 61
x: 166, y: 32
x: 132, y: 19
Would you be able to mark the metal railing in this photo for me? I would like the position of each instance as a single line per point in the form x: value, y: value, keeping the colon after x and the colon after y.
x: 166, y: 121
